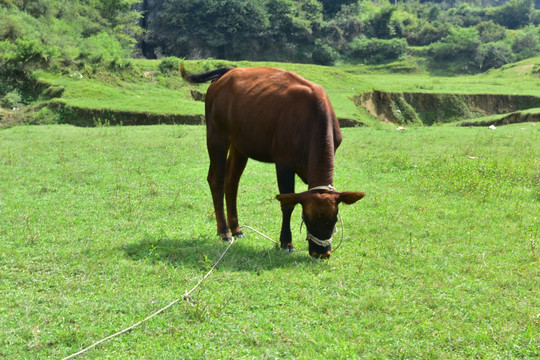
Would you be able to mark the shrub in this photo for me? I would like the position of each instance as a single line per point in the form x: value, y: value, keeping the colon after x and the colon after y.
x: 514, y: 14
x: 489, y: 31
x: 460, y: 43
x: 493, y: 55
x: 11, y: 100
x: 323, y: 54
x: 527, y: 43
x: 377, y: 50
x: 120, y: 64
x: 169, y: 65
x: 426, y: 33
x: 101, y: 47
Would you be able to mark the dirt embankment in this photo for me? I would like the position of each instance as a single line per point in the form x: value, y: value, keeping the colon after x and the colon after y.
x: 91, y: 117
x: 512, y: 118
x: 429, y: 108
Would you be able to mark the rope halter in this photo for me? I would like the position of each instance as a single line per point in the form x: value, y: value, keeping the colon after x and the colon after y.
x: 322, y: 242
x: 324, y: 187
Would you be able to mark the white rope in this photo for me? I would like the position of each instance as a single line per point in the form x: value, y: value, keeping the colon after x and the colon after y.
x: 260, y: 233
x: 185, y: 297
x: 342, y: 233
x: 327, y: 242
x: 324, y: 187
x: 324, y: 242
x: 263, y: 235
x: 321, y: 242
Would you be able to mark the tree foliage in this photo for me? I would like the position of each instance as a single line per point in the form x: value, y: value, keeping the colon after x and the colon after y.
x: 63, y: 36
x: 83, y: 35
x: 327, y: 31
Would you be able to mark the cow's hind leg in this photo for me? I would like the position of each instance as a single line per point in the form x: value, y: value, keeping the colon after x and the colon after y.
x: 285, y: 177
x: 218, y: 147
x: 236, y: 163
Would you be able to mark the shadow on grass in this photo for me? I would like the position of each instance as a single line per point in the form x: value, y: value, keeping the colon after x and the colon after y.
x: 201, y: 253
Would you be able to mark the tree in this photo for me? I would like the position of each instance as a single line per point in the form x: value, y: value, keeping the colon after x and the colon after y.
x: 323, y: 54
x: 331, y: 7
x: 489, y: 31
x: 211, y: 28
x: 380, y: 23
x: 527, y: 43
x: 513, y: 15
x: 493, y: 55
x: 460, y: 44
x: 426, y: 33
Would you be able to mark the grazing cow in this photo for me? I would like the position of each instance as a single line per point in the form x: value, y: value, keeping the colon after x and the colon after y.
x: 273, y: 116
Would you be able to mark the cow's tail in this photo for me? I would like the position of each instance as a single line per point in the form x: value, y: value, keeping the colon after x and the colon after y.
x: 203, y: 77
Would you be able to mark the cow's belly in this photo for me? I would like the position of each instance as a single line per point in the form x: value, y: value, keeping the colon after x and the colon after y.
x: 256, y: 148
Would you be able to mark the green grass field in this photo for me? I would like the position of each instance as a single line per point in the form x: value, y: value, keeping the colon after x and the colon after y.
x: 100, y: 227
x: 144, y: 89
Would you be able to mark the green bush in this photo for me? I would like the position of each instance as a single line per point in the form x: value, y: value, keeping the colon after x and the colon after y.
x: 323, y: 54
x: 514, y: 14
x: 527, y: 43
x: 102, y: 47
x: 169, y: 65
x: 460, y: 43
x: 377, y: 50
x: 121, y: 64
x: 426, y: 33
x: 493, y: 55
x: 489, y: 31
x: 11, y: 100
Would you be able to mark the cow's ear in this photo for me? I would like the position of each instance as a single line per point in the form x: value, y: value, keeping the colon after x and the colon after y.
x: 350, y: 197
x: 288, y: 199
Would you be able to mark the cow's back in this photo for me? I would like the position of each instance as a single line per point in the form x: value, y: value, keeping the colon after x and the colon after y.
x: 268, y: 113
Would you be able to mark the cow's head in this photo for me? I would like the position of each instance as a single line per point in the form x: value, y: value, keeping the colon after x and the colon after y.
x: 320, y: 211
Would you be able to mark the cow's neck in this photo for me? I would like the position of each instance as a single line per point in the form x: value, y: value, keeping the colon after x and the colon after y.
x: 321, y: 161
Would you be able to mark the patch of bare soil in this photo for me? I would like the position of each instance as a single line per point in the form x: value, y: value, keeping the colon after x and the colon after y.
x: 79, y: 116
x: 430, y: 108
x: 512, y: 118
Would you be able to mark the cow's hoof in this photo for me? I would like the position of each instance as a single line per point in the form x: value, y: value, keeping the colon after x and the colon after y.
x: 324, y: 256
x: 287, y: 247
x: 239, y: 235
x: 226, y: 237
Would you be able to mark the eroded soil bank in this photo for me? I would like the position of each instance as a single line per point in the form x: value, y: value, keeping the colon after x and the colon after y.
x: 430, y: 108
x: 79, y: 116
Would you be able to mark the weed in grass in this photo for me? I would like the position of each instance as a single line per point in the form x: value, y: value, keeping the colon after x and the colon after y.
x: 99, y: 122
x: 31, y: 233
x: 532, y: 240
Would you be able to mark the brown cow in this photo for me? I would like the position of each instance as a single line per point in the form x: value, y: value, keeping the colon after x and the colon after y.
x: 273, y: 116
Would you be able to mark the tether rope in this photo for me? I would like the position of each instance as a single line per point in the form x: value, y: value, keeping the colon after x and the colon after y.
x: 185, y: 297
x: 342, y: 232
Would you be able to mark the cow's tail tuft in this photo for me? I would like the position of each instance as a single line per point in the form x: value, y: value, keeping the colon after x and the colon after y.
x: 203, y: 77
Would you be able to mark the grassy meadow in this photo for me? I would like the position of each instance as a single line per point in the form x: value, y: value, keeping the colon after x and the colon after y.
x: 100, y: 227
x: 143, y: 88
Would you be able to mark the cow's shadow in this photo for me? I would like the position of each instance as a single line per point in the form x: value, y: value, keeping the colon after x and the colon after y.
x: 201, y: 253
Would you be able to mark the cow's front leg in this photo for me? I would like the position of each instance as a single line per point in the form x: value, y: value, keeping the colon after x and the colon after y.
x: 285, y: 237
x: 236, y: 163
x: 217, y: 150
x: 285, y: 177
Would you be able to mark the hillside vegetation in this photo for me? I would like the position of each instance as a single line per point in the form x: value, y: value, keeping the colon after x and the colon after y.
x: 77, y: 61
x: 451, y: 35
x: 152, y: 91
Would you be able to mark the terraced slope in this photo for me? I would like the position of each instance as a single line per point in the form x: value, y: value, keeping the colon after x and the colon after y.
x: 361, y: 95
